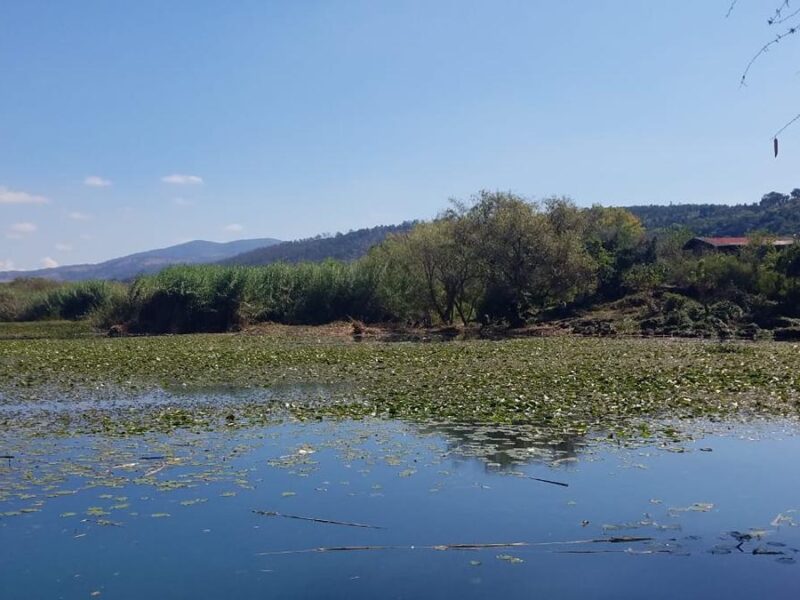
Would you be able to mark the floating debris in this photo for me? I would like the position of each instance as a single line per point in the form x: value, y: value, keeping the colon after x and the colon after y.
x: 514, y: 560
x: 550, y: 481
x: 784, y: 519
x: 476, y: 546
x: 272, y: 513
x: 696, y: 507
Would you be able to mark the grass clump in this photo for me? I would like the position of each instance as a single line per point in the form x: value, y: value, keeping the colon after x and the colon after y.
x: 40, y: 299
x: 183, y: 299
x: 214, y: 298
x: 16, y: 295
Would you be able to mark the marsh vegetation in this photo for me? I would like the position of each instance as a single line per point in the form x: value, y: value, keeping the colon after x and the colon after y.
x: 497, y: 261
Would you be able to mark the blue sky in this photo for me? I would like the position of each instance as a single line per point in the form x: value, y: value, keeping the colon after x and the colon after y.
x: 126, y: 126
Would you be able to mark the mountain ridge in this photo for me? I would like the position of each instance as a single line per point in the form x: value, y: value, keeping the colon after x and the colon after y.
x: 342, y: 246
x: 148, y: 261
x: 777, y: 214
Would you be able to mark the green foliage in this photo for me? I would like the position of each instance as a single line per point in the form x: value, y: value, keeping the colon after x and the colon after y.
x: 311, y: 293
x: 208, y: 298
x: 17, y: 294
x: 37, y: 299
x: 10, y: 304
x: 777, y: 213
x: 644, y: 277
x: 497, y: 259
x: 614, y: 238
x: 183, y: 299
x: 437, y: 268
x: 50, y: 330
x: 561, y: 381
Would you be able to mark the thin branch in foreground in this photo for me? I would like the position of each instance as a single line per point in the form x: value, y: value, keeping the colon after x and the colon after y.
x: 778, y: 20
x: 785, y: 127
x: 780, y: 131
x: 763, y: 50
x: 271, y: 513
x: 778, y: 16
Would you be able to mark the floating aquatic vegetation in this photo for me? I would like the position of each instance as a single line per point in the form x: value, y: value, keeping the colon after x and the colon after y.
x: 351, y: 461
x: 696, y: 507
x: 133, y: 385
x: 514, y: 560
x: 193, y: 501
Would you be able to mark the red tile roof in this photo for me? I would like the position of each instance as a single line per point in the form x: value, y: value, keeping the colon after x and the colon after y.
x: 739, y: 241
x: 725, y: 241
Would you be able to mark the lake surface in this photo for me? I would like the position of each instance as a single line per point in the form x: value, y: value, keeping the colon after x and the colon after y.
x: 156, y: 516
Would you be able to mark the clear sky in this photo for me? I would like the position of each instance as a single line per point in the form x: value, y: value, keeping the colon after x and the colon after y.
x: 126, y: 126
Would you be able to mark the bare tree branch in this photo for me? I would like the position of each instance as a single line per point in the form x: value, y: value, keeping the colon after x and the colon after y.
x: 764, y: 49
x: 778, y: 16
x: 783, y: 14
x: 788, y: 17
x: 785, y: 127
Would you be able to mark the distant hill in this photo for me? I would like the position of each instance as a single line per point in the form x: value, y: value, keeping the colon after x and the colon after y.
x: 777, y: 213
x: 151, y: 261
x: 342, y: 246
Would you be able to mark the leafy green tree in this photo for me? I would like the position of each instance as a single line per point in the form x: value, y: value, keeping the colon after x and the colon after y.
x: 531, y: 259
x: 615, y: 240
x: 439, y: 257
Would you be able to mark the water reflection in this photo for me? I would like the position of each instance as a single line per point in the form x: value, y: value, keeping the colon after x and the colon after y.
x: 507, y: 447
x: 87, y: 513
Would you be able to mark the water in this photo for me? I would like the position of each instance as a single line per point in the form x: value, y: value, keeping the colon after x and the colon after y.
x: 153, y: 516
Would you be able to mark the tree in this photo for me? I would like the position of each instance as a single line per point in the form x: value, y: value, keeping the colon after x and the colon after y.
x: 436, y: 264
x: 531, y: 259
x: 774, y: 199
x: 614, y: 239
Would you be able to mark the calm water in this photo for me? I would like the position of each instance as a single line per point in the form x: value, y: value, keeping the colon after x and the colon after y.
x: 156, y: 517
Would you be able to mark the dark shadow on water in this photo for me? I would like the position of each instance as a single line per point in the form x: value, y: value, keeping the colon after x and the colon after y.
x: 507, y: 447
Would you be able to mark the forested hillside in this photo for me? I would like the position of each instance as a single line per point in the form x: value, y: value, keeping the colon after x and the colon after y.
x: 777, y: 214
x: 342, y: 246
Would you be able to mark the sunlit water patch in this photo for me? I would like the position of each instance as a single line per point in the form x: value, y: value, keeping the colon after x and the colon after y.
x: 365, y: 509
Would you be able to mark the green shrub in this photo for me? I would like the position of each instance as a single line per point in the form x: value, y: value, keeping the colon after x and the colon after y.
x: 183, y: 299
x: 10, y: 305
x: 726, y: 311
x: 312, y: 293
x: 71, y: 301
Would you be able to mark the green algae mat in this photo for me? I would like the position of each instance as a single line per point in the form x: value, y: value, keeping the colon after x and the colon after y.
x: 557, y: 381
